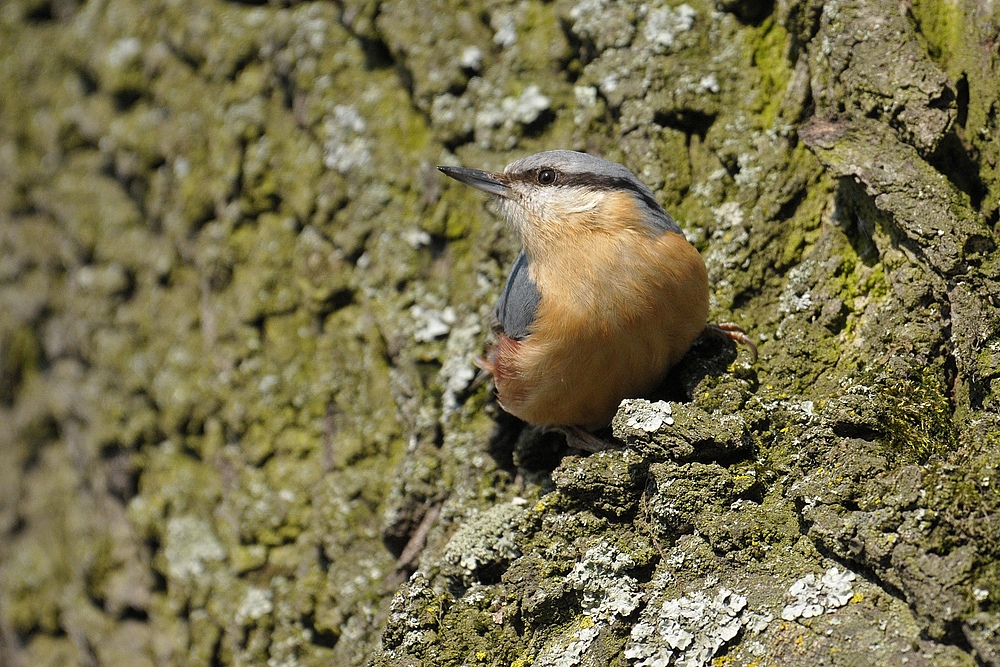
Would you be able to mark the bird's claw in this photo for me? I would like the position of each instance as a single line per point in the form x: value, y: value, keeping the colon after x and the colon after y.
x: 735, y: 333
x: 578, y: 438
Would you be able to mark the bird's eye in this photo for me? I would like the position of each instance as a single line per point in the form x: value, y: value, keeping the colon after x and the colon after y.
x: 547, y: 176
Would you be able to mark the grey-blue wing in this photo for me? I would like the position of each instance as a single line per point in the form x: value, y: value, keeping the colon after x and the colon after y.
x: 660, y: 221
x: 515, y: 311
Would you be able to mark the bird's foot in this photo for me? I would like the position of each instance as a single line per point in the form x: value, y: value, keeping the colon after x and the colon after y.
x: 735, y: 333
x: 578, y: 438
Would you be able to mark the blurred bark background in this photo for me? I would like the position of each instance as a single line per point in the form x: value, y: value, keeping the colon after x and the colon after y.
x: 238, y: 307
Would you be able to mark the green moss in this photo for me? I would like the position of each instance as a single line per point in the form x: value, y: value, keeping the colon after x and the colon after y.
x: 952, y: 32
x: 915, y: 416
x: 769, y: 54
x: 941, y: 25
x: 20, y: 354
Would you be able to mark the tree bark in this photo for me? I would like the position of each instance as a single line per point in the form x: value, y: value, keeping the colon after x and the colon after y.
x: 239, y: 307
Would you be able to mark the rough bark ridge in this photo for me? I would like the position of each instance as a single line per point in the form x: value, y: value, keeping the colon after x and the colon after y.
x: 238, y: 307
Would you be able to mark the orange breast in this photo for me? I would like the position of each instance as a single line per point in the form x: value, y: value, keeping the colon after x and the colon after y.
x: 610, y: 330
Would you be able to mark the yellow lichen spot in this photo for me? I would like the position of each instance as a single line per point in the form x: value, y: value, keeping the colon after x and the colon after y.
x: 722, y: 661
x: 857, y: 597
x: 481, y: 655
x: 540, y: 507
x: 586, y: 622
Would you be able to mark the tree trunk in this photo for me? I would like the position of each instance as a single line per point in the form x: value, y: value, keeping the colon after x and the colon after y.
x: 239, y: 308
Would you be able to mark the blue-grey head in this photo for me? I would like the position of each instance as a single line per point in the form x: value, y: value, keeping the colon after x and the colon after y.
x: 559, y: 192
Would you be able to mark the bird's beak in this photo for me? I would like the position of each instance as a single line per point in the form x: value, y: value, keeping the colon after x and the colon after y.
x: 495, y: 184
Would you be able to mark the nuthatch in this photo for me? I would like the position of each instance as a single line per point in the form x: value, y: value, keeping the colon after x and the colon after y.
x: 606, y: 296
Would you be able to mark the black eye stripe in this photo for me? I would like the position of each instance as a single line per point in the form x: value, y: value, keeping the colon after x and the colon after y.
x: 600, y: 182
x: 596, y: 181
x: 659, y: 220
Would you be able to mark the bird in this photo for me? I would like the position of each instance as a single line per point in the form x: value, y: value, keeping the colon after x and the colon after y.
x: 605, y: 297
